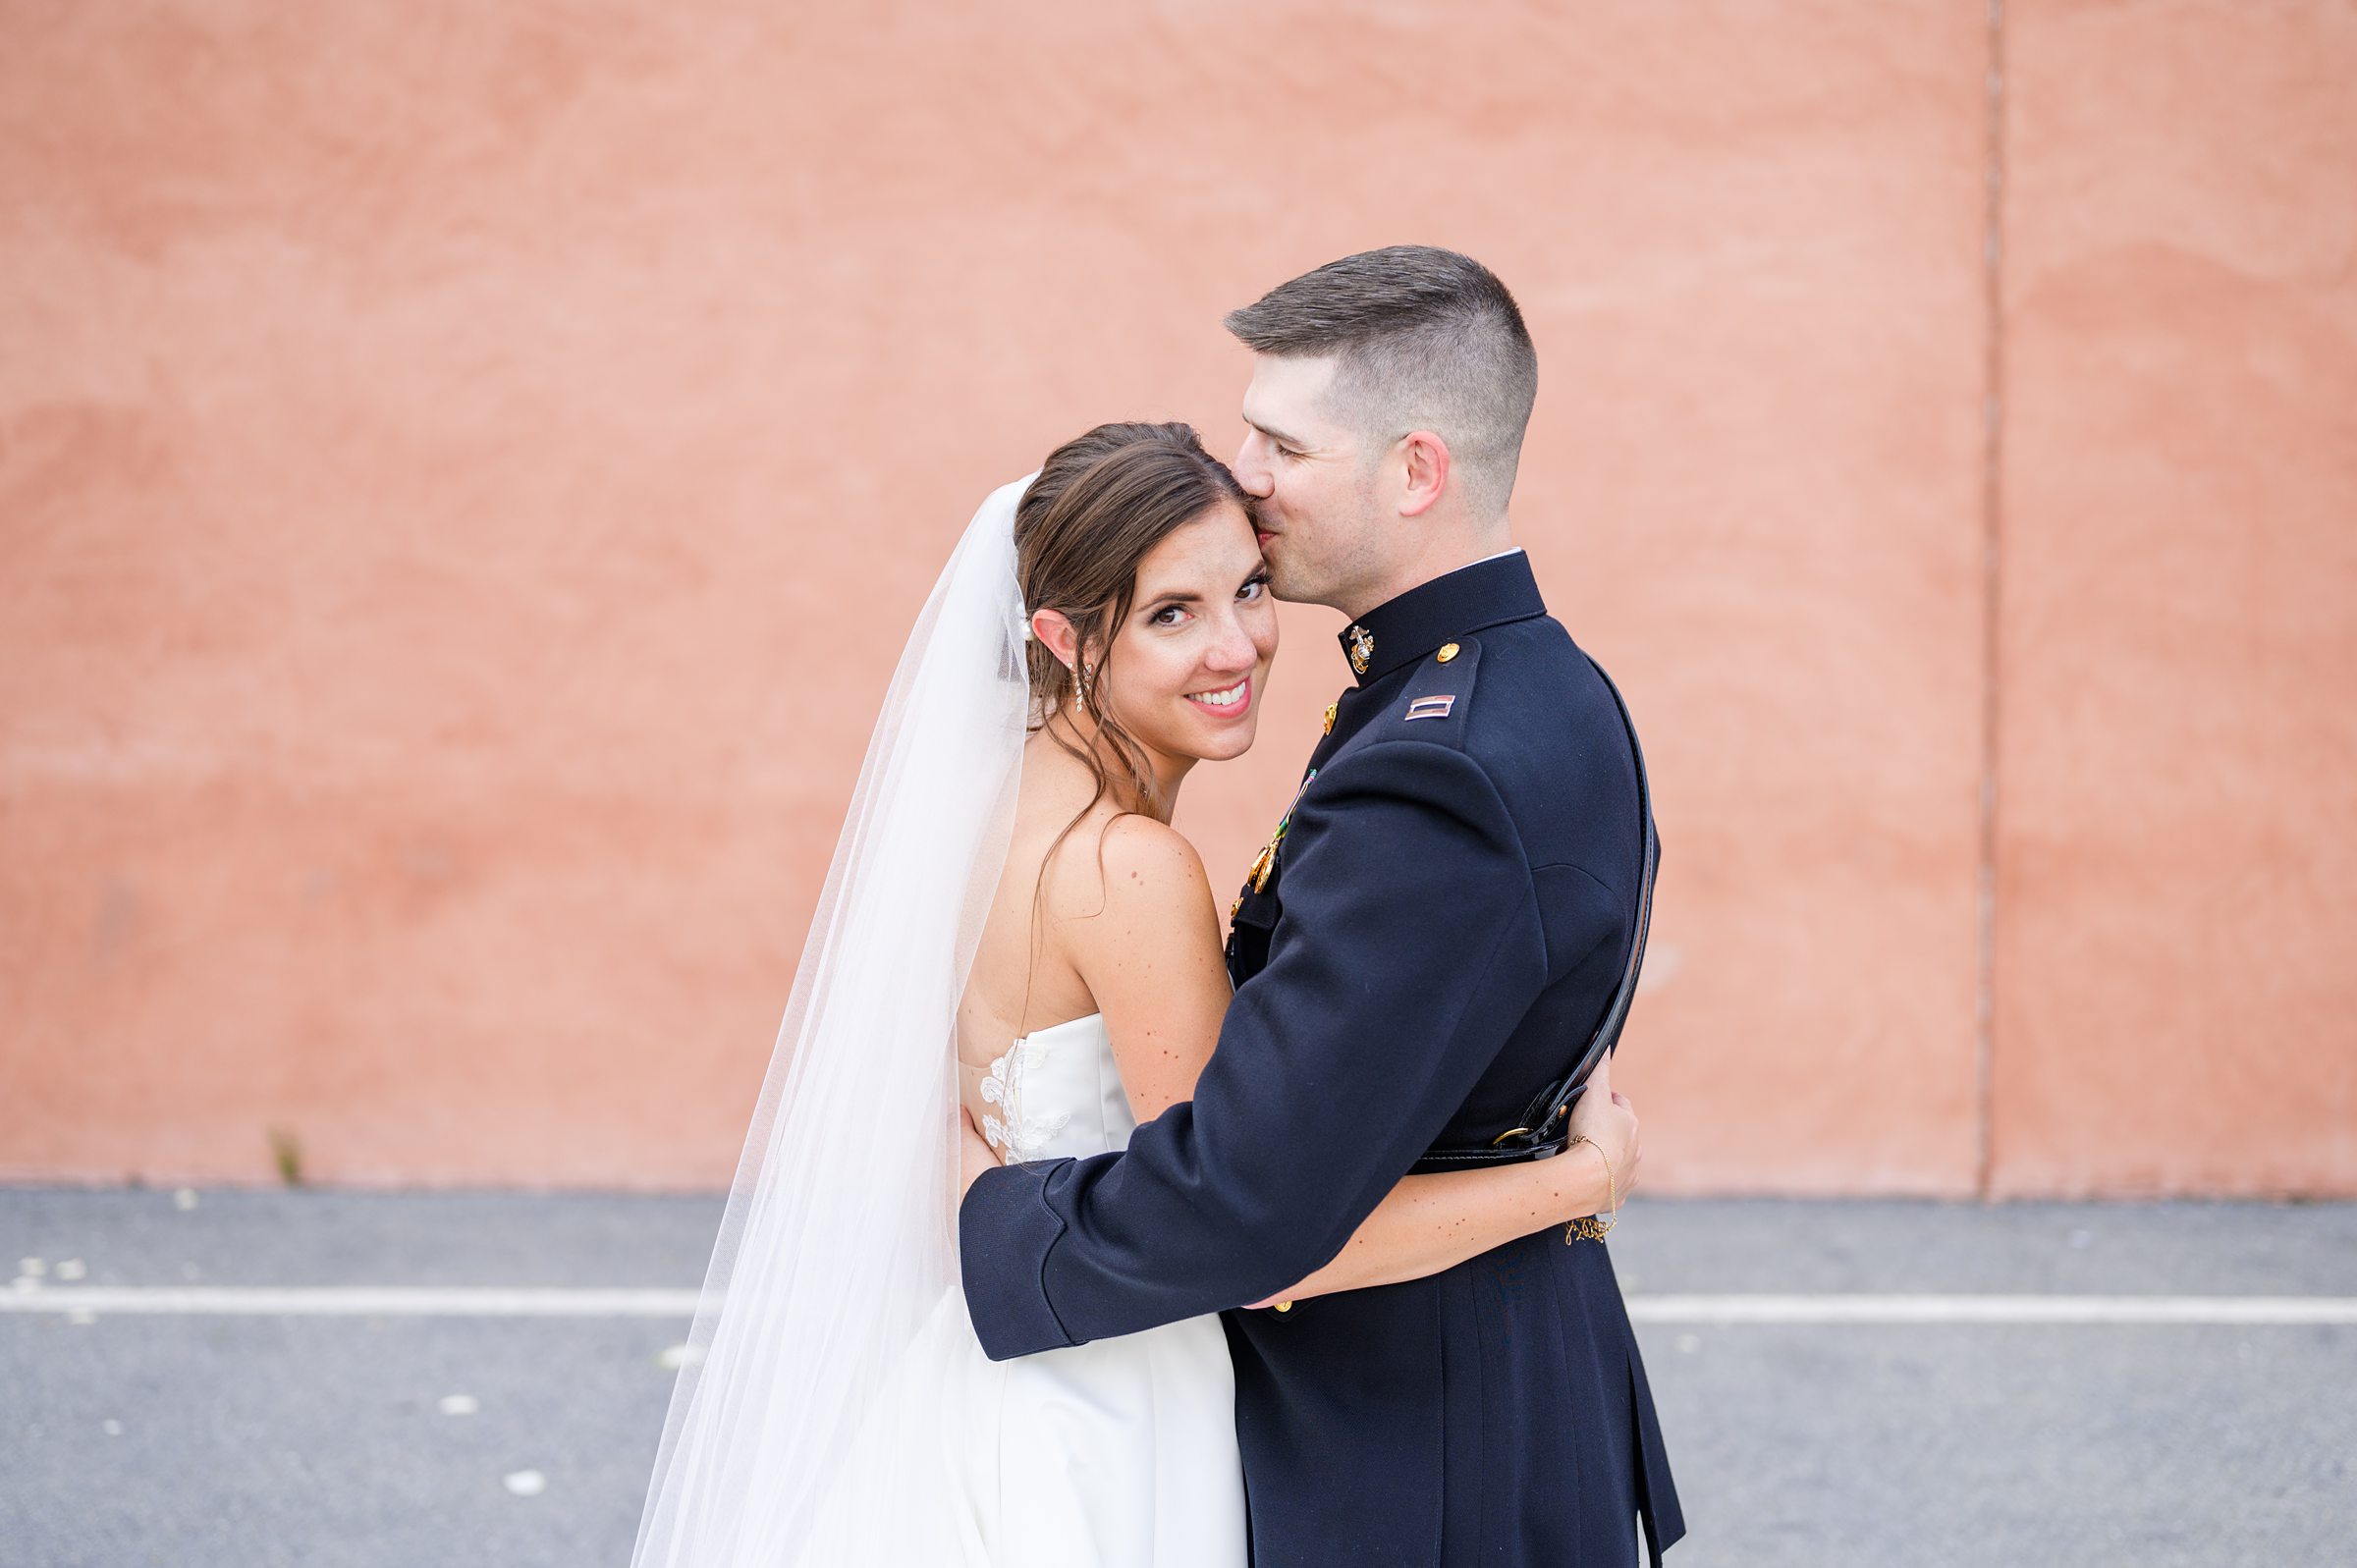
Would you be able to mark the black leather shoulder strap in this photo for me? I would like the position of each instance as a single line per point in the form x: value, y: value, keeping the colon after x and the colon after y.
x: 1542, y: 1131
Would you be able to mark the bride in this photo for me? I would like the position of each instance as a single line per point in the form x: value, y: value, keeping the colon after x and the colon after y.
x: 1017, y: 957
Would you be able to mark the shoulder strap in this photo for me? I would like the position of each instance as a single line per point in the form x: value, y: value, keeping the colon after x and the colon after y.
x: 1542, y: 1130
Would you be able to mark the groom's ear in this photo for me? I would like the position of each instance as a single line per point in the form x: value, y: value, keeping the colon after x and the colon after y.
x: 1424, y: 460
x: 1056, y: 635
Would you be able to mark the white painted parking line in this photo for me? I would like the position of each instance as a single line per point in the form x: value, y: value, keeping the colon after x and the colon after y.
x: 1991, y: 1309
x: 356, y: 1301
x: 351, y: 1301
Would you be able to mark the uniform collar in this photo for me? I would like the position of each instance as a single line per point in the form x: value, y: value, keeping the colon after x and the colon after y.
x: 1401, y: 631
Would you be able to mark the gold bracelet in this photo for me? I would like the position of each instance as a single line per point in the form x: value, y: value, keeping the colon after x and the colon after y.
x: 1589, y: 1225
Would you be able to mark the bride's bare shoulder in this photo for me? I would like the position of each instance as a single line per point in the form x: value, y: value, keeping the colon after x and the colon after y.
x: 1127, y: 865
x: 1146, y: 855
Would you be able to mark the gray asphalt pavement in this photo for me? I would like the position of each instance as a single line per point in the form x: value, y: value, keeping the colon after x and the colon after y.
x: 207, y: 1439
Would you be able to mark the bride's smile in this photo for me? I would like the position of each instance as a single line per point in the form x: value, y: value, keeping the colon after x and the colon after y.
x: 1194, y: 651
x: 1189, y: 655
x: 1232, y: 703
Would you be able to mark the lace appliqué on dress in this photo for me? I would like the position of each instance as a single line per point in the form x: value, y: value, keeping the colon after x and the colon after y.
x: 1021, y: 1137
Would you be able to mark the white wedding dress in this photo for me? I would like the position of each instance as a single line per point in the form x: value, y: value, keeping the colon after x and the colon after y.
x: 1117, y: 1454
x: 834, y: 1408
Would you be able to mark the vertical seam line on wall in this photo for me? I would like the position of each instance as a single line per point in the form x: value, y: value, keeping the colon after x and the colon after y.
x: 1992, y: 452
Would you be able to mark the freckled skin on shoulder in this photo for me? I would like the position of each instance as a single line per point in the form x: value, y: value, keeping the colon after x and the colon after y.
x: 1144, y: 936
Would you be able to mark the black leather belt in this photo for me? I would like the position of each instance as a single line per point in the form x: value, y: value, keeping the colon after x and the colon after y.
x: 1544, y: 1128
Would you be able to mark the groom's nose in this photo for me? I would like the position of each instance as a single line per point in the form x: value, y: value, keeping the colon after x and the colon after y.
x: 1251, y: 472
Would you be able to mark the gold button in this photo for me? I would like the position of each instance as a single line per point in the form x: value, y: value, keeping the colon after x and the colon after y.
x: 1446, y: 653
x: 1284, y: 1306
x: 1331, y: 709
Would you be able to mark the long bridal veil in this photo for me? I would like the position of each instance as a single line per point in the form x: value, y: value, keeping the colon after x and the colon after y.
x: 812, y: 1422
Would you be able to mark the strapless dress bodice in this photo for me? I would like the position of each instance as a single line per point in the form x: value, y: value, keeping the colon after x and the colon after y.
x: 1118, y: 1453
x: 1056, y: 1093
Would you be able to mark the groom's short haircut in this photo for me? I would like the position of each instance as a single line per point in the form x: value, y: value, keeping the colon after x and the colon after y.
x: 1423, y: 339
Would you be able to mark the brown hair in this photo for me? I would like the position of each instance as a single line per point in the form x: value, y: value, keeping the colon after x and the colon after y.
x: 1423, y: 339
x: 1100, y: 502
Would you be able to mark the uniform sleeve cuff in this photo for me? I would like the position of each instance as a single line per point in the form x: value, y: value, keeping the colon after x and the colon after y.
x: 1005, y: 1229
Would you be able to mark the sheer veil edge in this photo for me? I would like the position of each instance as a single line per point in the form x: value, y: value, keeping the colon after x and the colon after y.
x: 815, y: 1419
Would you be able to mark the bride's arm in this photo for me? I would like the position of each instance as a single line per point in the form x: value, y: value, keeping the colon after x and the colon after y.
x: 1146, y: 940
x: 1431, y: 1222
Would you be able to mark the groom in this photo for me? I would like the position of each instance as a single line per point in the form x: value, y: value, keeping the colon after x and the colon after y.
x: 1444, y: 922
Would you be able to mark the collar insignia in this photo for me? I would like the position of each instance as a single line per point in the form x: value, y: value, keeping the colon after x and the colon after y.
x: 1362, y: 648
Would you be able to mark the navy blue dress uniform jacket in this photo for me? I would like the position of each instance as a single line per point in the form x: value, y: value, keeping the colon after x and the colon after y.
x: 1447, y: 918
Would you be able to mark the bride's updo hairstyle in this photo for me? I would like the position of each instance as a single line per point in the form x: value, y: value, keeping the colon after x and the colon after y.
x: 1101, y: 502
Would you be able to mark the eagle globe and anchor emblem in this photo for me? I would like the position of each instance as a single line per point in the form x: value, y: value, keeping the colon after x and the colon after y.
x: 1362, y: 648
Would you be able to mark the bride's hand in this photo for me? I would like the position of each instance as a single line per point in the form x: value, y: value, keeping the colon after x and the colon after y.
x: 974, y: 1154
x: 1564, y: 1188
x: 1605, y: 1116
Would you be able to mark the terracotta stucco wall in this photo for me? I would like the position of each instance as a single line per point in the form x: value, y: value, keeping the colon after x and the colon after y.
x: 465, y: 472
x: 2177, y: 957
